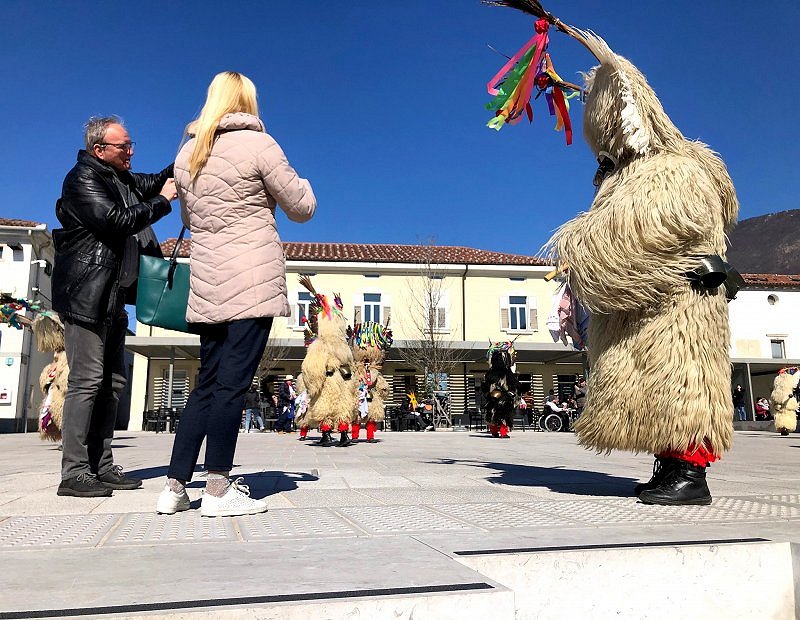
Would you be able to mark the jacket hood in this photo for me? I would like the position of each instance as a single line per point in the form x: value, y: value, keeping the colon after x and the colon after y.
x: 232, y: 122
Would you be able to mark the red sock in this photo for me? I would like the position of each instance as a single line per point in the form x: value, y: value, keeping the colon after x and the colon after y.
x: 701, y: 456
x: 503, y: 430
x: 324, y: 428
x: 371, y: 426
x: 356, y: 429
x: 493, y: 429
x: 344, y: 427
x: 303, y: 431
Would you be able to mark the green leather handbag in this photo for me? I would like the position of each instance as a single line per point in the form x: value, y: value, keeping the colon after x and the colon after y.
x: 162, y: 292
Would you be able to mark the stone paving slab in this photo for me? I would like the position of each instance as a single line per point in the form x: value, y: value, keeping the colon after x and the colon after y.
x: 371, y: 515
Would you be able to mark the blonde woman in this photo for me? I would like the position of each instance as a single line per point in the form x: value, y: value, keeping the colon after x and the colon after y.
x: 230, y: 176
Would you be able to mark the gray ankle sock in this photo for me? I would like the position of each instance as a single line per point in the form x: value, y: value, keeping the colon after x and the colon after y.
x: 217, y: 483
x: 176, y: 486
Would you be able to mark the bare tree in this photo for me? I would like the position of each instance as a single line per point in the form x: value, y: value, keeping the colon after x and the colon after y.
x: 430, y: 347
x: 274, y: 354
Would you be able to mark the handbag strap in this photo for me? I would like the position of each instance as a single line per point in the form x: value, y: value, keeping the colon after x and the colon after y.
x: 174, y: 258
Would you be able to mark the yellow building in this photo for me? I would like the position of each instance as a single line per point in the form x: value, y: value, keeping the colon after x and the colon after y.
x: 460, y: 298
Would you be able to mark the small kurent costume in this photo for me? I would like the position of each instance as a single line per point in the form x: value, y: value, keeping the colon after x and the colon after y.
x: 647, y: 260
x: 49, y: 332
x: 370, y: 341
x: 501, y: 389
x: 784, y: 399
x: 328, y: 369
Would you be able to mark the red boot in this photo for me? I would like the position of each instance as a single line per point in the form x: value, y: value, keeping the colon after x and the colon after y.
x: 493, y: 430
x: 356, y: 430
x: 504, y: 432
x: 371, y: 427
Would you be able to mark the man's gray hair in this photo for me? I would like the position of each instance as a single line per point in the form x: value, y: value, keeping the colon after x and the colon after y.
x: 95, y: 129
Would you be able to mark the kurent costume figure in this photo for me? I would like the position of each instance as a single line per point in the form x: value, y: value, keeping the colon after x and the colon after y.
x: 501, y: 389
x: 49, y: 332
x: 370, y: 341
x: 647, y: 261
x: 784, y: 399
x: 328, y: 369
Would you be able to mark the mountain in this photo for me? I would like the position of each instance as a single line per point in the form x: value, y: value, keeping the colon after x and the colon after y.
x: 767, y: 244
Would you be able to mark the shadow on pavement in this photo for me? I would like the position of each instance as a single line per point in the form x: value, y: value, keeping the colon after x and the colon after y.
x: 557, y: 479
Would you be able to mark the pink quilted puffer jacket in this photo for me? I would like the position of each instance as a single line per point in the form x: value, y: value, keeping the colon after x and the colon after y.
x: 237, y: 260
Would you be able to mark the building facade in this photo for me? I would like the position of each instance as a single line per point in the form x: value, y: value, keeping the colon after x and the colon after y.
x: 26, y: 263
x: 466, y: 297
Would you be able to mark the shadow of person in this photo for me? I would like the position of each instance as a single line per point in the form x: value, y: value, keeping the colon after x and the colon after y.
x: 557, y: 479
x: 264, y: 483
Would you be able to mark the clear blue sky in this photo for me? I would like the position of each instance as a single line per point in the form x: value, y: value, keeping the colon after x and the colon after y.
x: 381, y: 104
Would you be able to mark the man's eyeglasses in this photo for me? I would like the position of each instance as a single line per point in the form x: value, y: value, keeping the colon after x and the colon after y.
x: 125, y: 146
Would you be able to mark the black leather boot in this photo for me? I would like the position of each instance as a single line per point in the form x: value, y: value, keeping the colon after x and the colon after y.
x: 661, y: 468
x: 344, y: 440
x: 684, y: 485
x: 326, y: 440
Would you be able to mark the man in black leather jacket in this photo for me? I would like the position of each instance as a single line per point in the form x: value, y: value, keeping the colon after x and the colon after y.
x: 102, y: 209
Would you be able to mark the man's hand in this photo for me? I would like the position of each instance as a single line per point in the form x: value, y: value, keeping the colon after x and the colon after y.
x: 169, y: 191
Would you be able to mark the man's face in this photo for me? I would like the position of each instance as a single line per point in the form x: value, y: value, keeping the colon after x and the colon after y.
x: 116, y: 149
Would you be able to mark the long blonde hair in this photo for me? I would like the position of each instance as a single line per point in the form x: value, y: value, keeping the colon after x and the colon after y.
x: 228, y: 92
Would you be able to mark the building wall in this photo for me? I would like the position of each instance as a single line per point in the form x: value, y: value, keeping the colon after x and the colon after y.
x: 20, y: 362
x: 759, y: 316
x: 486, y: 291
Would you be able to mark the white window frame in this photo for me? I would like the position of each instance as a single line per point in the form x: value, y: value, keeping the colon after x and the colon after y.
x: 531, y: 313
x: 442, y: 312
x: 359, y: 306
x: 294, y: 320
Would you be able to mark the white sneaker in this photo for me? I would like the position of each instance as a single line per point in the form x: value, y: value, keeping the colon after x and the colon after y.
x: 235, y: 502
x: 170, y: 502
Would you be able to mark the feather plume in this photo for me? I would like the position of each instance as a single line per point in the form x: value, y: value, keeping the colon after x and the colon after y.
x: 305, y: 281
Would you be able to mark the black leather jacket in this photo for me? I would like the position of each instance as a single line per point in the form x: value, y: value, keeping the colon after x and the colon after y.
x: 96, y: 225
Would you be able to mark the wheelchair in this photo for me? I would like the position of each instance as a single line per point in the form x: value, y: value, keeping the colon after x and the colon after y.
x: 555, y: 421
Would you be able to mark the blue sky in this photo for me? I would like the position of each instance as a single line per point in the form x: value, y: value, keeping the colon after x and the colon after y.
x: 381, y: 104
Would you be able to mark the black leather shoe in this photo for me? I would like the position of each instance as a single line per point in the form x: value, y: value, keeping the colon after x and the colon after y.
x: 115, y: 479
x: 684, y: 485
x: 344, y: 440
x: 661, y: 467
x: 326, y: 440
x: 83, y: 485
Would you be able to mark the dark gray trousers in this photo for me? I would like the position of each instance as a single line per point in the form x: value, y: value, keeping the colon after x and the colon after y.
x: 97, y: 375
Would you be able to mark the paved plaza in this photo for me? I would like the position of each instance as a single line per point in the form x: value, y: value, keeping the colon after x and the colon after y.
x: 416, y: 526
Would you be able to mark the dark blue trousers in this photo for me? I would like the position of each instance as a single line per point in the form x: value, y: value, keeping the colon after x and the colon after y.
x: 229, y: 357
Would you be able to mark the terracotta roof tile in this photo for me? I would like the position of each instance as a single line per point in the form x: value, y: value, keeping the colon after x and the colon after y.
x: 385, y: 253
x: 4, y: 221
x: 771, y: 280
x: 442, y: 254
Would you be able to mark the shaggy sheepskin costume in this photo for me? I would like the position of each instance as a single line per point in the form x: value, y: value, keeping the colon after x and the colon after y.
x: 655, y: 338
x: 370, y: 341
x: 660, y: 372
x: 501, y: 389
x: 784, y: 400
x: 329, y: 370
x: 49, y: 332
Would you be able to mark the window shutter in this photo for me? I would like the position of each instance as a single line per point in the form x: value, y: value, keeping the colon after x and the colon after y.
x: 504, y: 322
x: 533, y: 324
x: 295, y: 314
x: 357, y: 314
x: 387, y: 314
x: 441, y: 322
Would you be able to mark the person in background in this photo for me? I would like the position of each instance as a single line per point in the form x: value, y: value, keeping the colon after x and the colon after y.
x: 230, y: 176
x: 738, y: 403
x: 762, y: 409
x: 286, y: 396
x: 102, y: 209
x: 579, y: 396
x: 252, y: 410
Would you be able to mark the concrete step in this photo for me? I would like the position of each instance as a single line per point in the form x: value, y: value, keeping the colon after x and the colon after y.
x: 715, y: 579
